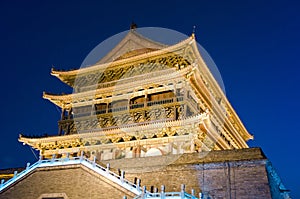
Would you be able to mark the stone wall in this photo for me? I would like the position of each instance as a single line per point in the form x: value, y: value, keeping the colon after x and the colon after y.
x: 219, y: 174
x: 234, y: 174
x: 76, y: 182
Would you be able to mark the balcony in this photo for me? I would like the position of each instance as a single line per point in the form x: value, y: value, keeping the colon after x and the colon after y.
x: 107, y: 117
x: 168, y: 101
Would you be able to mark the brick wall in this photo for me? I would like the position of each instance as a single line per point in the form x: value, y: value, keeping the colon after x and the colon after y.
x: 220, y: 174
x: 77, y: 182
x: 226, y: 174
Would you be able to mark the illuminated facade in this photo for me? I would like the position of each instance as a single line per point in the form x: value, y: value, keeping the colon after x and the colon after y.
x: 142, y: 99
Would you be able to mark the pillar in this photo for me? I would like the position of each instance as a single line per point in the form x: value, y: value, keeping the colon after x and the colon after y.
x: 62, y: 113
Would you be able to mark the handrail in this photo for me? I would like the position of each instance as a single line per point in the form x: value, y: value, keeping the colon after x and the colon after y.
x: 166, y: 195
x: 16, y: 177
x: 105, y: 172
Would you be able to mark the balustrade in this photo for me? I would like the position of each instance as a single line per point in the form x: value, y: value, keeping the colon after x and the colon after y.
x: 148, y: 108
x: 124, y: 108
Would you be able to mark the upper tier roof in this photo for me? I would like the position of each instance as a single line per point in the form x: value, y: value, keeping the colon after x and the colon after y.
x: 132, y: 42
x: 138, y: 51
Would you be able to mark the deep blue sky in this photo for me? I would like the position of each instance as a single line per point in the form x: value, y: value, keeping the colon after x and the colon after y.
x: 255, y: 45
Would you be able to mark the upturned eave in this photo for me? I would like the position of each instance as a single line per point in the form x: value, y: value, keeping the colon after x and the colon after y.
x: 69, y: 76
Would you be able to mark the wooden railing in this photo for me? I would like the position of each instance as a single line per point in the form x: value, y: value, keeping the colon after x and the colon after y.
x: 131, y: 107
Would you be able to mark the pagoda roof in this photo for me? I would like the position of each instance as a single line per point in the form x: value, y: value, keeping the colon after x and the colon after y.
x: 35, y: 141
x: 124, y: 57
x: 200, y: 74
x: 64, y: 100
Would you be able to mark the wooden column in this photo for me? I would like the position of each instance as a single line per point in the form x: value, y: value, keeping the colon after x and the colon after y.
x: 62, y: 113
x: 69, y: 113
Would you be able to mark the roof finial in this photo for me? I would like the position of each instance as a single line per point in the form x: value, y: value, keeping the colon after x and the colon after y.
x: 133, y: 26
x: 194, y: 30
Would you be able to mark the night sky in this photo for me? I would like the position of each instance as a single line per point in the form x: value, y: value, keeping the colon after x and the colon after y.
x: 255, y: 45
